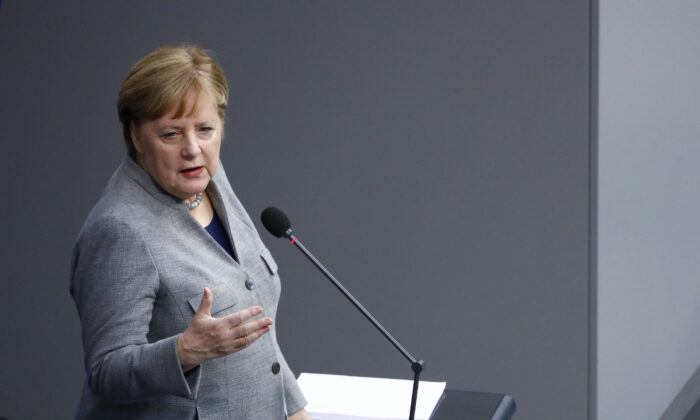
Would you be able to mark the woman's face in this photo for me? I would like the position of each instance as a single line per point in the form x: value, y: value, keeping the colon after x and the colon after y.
x: 181, y: 154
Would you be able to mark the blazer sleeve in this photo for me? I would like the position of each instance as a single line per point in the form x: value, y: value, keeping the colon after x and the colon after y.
x: 114, y: 283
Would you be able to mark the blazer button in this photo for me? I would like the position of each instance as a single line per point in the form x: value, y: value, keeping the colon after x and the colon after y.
x: 275, y: 368
x: 249, y: 284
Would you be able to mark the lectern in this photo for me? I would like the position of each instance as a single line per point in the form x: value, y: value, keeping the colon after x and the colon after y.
x: 469, y: 405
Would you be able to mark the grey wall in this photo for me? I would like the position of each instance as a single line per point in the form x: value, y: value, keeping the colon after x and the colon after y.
x: 649, y: 202
x: 433, y: 154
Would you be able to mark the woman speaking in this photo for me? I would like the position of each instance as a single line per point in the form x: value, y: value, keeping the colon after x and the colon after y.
x: 176, y: 293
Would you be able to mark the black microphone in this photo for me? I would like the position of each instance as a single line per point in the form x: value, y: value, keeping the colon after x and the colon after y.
x: 275, y: 221
x: 278, y: 224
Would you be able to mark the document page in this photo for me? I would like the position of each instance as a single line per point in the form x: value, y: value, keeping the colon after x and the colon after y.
x: 338, y: 397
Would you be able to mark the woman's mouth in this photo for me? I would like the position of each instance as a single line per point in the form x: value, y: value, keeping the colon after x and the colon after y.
x: 192, y: 172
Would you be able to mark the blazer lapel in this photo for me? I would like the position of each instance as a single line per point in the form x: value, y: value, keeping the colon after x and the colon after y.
x: 220, y: 209
x: 239, y: 227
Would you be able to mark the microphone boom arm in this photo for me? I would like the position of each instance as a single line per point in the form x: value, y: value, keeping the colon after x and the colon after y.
x: 416, y: 365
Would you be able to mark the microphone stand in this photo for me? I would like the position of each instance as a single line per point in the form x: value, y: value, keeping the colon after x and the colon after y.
x: 416, y: 365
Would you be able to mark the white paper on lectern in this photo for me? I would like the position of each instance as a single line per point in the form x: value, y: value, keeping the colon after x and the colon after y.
x: 338, y: 397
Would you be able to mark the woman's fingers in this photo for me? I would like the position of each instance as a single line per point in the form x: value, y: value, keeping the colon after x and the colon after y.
x: 242, y: 330
x: 250, y: 327
x: 254, y: 330
x: 242, y: 316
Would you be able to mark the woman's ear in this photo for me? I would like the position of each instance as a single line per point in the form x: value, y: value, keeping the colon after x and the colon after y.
x: 135, y: 140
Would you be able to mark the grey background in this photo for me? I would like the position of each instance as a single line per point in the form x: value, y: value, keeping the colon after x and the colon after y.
x: 649, y: 203
x: 433, y: 154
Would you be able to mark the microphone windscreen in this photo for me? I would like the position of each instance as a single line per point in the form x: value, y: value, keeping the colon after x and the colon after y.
x: 275, y: 221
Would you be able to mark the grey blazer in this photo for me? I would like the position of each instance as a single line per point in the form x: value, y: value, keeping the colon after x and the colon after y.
x: 139, y: 269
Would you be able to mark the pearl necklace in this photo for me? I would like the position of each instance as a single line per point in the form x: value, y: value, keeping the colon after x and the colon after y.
x: 196, y: 201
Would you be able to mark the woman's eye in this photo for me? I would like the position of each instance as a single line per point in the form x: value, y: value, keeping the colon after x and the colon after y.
x: 206, y: 129
x: 170, y: 135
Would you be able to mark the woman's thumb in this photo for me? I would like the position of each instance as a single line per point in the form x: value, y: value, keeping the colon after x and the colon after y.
x: 205, y: 305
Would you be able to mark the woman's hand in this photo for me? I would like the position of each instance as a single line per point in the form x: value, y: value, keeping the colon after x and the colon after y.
x: 300, y: 415
x: 207, y: 337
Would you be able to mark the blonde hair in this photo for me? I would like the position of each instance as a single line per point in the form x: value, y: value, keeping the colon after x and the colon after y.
x: 162, y: 80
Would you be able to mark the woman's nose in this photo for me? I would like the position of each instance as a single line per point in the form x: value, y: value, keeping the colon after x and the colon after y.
x: 190, y: 148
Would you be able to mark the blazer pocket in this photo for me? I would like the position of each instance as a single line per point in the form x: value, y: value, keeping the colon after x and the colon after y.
x: 224, y: 298
x: 269, y: 261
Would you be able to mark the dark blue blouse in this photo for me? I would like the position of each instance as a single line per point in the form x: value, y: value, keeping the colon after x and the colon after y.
x: 217, y: 231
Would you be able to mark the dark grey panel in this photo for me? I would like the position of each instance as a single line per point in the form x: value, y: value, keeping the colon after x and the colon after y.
x: 433, y: 154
